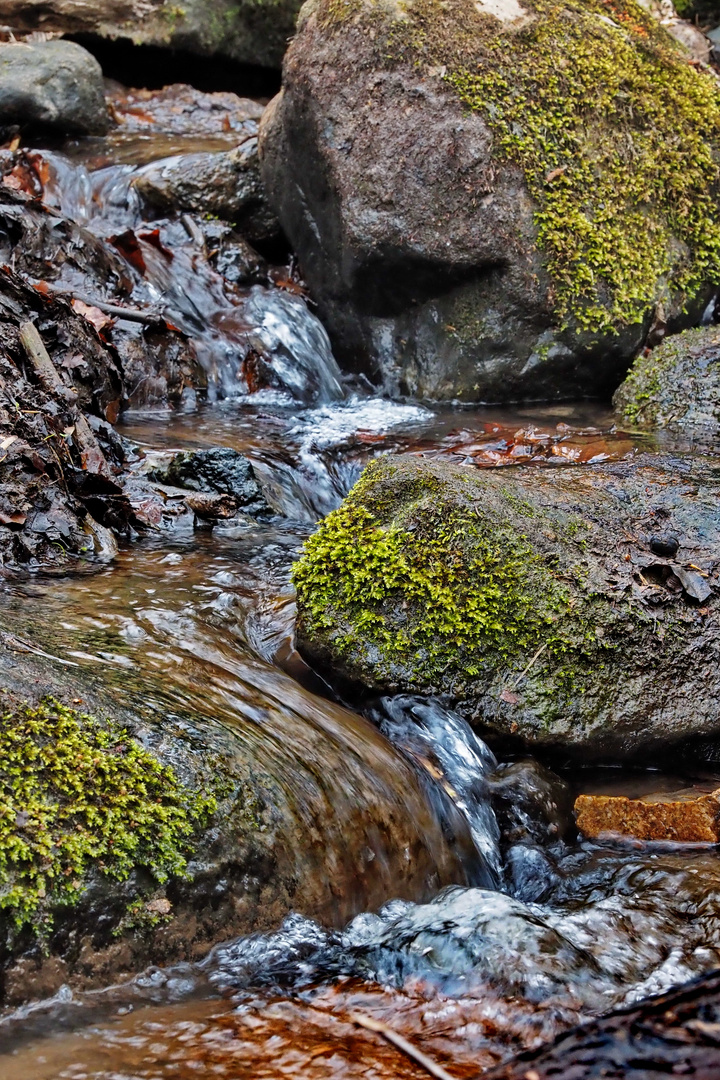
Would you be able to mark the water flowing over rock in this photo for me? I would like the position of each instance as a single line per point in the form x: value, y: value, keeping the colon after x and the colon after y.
x: 535, y: 601
x: 55, y: 84
x: 458, y: 190
x: 268, y: 848
x: 676, y: 387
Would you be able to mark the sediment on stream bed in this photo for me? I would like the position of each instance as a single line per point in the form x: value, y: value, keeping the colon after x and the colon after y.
x: 564, y: 609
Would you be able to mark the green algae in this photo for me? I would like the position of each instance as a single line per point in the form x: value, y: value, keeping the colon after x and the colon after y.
x: 616, y: 134
x: 78, y: 796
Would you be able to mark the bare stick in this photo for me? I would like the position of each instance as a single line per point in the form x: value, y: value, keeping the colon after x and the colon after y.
x: 524, y: 672
x: 16, y: 643
x: 402, y: 1044
x: 91, y: 455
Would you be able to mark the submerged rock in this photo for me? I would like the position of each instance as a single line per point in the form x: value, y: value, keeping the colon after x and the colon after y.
x: 687, y: 816
x: 533, y: 601
x: 676, y: 387
x: 55, y: 84
x: 457, y: 182
x: 225, y: 184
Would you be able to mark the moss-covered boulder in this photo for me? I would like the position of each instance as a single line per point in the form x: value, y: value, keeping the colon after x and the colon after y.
x: 249, y: 31
x: 571, y: 609
x: 490, y: 199
x: 676, y: 387
x: 130, y: 836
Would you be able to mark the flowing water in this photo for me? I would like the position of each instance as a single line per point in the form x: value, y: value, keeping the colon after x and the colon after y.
x: 538, y: 928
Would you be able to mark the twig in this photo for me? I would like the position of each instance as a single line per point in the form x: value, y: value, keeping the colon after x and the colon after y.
x: 91, y: 455
x: 523, y: 673
x: 402, y: 1044
x: 151, y: 318
x: 18, y: 644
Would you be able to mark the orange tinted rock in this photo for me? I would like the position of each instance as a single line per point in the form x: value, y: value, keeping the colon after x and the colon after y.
x: 689, y: 816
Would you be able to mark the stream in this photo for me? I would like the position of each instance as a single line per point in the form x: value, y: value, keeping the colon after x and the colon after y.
x: 541, y: 929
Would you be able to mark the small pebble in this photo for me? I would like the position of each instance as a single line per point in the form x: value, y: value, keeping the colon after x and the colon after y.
x: 666, y: 546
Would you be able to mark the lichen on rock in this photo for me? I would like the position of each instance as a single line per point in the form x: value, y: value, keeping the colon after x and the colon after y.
x: 80, y: 796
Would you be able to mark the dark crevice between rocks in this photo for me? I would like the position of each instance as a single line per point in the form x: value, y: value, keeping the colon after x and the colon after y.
x: 151, y: 67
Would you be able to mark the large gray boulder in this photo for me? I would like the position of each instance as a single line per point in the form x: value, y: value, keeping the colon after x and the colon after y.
x: 457, y: 182
x: 55, y: 84
x: 572, y: 609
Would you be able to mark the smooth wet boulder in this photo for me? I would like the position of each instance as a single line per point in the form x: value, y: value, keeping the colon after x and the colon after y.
x: 226, y: 184
x: 489, y: 200
x: 249, y: 31
x: 55, y: 84
x: 572, y: 608
x: 138, y: 831
x: 676, y: 387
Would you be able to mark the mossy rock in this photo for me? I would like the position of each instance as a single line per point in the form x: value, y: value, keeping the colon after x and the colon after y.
x: 676, y: 387
x: 532, y: 599
x: 135, y: 833
x: 491, y: 206
x: 249, y: 31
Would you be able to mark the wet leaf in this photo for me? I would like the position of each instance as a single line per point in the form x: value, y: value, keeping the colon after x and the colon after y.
x: 128, y: 246
x: 94, y: 315
x: 153, y: 238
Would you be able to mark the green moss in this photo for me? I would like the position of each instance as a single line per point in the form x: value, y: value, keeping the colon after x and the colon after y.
x: 437, y: 588
x: 78, y: 796
x: 617, y: 136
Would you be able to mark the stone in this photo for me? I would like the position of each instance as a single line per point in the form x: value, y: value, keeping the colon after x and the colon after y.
x: 676, y: 387
x: 250, y: 31
x: 54, y: 84
x: 226, y: 184
x: 219, y: 470
x: 529, y: 599
x: 455, y: 221
x: 686, y: 816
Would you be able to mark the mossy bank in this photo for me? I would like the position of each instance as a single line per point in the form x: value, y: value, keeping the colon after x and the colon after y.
x: 503, y: 193
x: 531, y: 599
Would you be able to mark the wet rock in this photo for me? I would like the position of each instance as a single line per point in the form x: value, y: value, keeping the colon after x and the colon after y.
x: 220, y: 470
x: 251, y: 33
x: 676, y: 387
x: 58, y: 494
x: 279, y: 821
x: 225, y: 184
x: 440, y: 231
x: 532, y: 602
x: 54, y: 84
x: 676, y: 1033
x: 159, y: 366
x: 687, y: 816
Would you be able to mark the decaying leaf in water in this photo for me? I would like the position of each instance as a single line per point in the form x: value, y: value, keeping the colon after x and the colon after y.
x: 94, y: 315
x: 152, y: 237
x: 129, y: 247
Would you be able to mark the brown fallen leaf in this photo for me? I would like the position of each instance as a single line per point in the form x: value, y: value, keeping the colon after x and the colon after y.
x: 94, y: 315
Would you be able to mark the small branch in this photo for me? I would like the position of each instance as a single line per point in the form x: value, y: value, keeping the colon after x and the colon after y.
x: 150, y: 318
x: 402, y: 1044
x: 16, y: 643
x: 523, y: 673
x: 91, y: 455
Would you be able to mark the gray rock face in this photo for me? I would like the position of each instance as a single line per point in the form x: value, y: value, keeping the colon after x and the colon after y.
x: 417, y: 237
x: 218, y: 469
x: 676, y: 387
x: 226, y: 185
x: 55, y: 84
x: 533, y: 600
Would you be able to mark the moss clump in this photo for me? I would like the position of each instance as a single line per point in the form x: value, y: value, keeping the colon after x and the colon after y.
x: 78, y: 796
x: 438, y: 588
x: 617, y: 135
